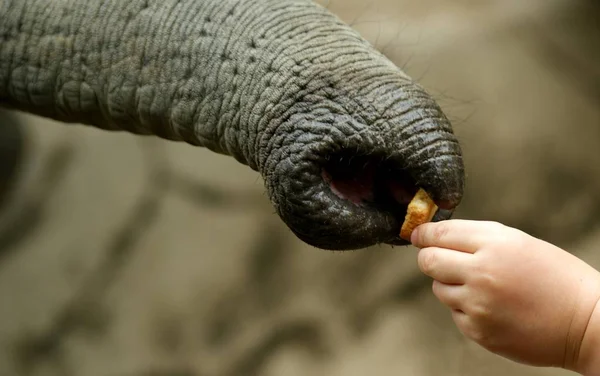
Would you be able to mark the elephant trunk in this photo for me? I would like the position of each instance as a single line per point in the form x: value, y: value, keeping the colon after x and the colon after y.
x: 341, y: 136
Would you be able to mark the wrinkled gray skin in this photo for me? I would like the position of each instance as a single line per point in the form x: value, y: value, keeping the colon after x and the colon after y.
x: 283, y: 86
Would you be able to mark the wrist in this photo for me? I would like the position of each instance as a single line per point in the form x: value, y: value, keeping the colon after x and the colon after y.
x: 588, y: 360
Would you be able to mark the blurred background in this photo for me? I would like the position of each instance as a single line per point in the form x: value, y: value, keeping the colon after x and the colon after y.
x: 125, y: 256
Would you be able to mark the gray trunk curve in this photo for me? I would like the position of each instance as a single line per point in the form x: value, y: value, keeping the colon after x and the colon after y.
x: 283, y: 86
x: 211, y: 73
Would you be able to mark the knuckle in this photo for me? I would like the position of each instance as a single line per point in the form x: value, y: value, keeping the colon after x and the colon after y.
x: 485, y: 278
x: 487, y: 282
x: 480, y: 336
x: 478, y: 333
x: 480, y: 309
x: 487, y: 339
x: 482, y: 276
x: 427, y: 261
x: 481, y: 312
x: 521, y: 240
x: 495, y: 228
x: 495, y: 225
x: 439, y: 232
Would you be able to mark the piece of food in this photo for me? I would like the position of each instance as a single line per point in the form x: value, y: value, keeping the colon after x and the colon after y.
x: 420, y: 210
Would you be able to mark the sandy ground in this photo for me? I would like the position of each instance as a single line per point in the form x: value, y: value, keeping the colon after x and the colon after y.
x: 134, y: 256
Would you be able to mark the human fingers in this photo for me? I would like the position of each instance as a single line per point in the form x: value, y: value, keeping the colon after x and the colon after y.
x: 452, y: 296
x: 457, y: 234
x: 462, y: 321
x: 445, y: 265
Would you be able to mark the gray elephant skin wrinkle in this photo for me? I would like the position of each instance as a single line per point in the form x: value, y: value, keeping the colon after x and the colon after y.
x: 342, y: 137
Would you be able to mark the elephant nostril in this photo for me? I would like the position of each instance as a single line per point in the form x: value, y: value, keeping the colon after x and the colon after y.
x: 369, y: 181
x: 355, y: 188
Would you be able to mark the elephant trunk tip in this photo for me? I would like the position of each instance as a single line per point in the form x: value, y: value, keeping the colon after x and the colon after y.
x: 349, y: 198
x: 385, y: 188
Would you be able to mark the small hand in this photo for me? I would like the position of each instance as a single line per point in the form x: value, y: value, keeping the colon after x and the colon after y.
x: 515, y: 295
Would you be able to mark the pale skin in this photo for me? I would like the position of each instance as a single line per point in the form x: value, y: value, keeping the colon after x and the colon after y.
x: 515, y: 295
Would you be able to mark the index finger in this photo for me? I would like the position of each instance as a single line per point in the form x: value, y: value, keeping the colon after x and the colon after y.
x: 457, y: 234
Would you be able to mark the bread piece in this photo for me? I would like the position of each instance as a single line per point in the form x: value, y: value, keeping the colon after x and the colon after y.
x: 420, y: 210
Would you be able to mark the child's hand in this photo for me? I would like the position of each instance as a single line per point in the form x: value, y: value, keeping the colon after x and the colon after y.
x: 515, y: 295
